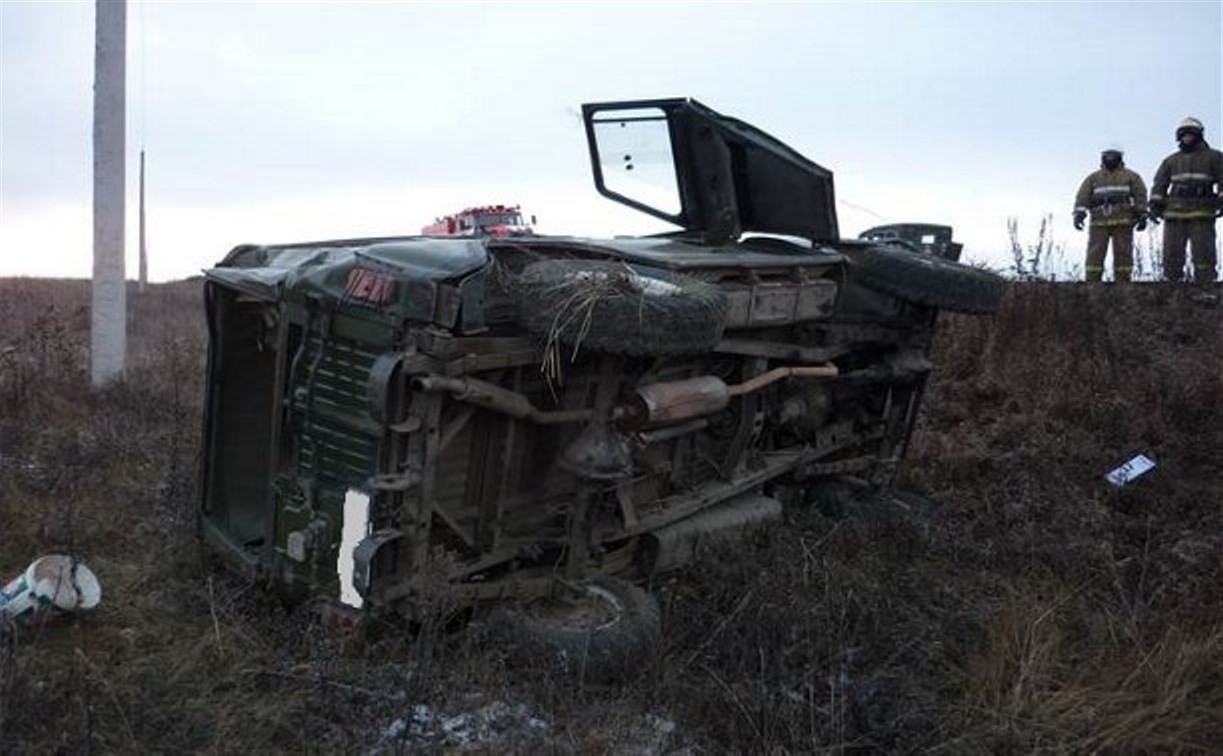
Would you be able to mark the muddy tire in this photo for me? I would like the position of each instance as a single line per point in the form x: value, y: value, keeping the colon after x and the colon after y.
x: 926, y: 279
x: 602, y: 637
x: 621, y: 309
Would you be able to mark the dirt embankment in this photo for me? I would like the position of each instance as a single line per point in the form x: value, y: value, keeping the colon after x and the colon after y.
x: 1036, y: 608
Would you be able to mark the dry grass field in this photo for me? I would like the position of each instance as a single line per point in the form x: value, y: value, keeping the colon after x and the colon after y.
x: 1035, y: 608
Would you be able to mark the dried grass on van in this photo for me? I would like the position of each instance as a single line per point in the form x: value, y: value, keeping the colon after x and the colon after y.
x: 577, y: 298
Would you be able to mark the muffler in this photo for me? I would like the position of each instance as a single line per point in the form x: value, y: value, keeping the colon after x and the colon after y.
x: 660, y: 404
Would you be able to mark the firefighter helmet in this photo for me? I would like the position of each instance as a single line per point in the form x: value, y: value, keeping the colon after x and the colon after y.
x: 1113, y: 147
x: 1189, y: 124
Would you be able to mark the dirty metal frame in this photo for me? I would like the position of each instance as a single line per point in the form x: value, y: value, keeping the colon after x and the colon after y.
x: 429, y: 379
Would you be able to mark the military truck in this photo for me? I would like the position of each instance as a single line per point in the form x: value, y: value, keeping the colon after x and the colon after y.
x: 540, y: 424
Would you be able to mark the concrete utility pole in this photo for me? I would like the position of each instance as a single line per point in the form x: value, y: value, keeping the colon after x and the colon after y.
x: 144, y: 252
x: 108, y: 346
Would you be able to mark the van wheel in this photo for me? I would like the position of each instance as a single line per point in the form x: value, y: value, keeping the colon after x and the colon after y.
x: 622, y: 309
x: 602, y: 634
x: 926, y: 279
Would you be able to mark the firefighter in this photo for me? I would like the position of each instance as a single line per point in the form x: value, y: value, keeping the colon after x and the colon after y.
x: 1116, y: 197
x: 1186, y: 195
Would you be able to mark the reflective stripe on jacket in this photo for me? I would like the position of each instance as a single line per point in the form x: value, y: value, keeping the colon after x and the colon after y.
x: 1114, y: 197
x: 1188, y: 183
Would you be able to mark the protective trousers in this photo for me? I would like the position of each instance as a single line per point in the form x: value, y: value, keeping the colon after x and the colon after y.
x: 1200, y: 235
x: 1122, y: 236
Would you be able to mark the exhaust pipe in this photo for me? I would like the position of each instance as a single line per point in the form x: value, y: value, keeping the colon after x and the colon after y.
x: 676, y: 401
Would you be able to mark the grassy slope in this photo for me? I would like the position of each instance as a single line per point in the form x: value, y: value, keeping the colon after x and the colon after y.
x: 1037, y: 608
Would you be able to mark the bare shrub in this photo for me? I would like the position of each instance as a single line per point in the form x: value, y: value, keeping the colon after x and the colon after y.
x: 1042, y: 259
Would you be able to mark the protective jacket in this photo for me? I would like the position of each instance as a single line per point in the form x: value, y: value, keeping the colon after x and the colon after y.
x: 1187, y: 183
x: 1114, y: 197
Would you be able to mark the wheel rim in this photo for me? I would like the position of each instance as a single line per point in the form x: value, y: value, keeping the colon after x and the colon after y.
x: 596, y: 609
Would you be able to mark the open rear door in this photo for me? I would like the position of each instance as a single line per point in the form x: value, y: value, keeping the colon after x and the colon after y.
x: 714, y: 176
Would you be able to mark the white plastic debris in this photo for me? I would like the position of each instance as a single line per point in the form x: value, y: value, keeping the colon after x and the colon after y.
x: 1130, y: 471
x: 54, y: 583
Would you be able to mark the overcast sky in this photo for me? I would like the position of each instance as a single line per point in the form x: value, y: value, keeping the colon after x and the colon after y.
x: 289, y: 121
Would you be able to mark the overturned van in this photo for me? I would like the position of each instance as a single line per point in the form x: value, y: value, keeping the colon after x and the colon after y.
x: 547, y: 421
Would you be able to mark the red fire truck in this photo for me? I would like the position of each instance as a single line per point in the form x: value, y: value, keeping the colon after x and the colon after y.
x: 489, y: 220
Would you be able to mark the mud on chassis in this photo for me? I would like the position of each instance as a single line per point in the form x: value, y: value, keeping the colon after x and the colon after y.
x: 538, y: 423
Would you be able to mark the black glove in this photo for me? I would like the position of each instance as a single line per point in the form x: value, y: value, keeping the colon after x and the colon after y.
x: 1219, y: 207
x: 1141, y: 223
x: 1079, y: 217
x: 1156, y: 210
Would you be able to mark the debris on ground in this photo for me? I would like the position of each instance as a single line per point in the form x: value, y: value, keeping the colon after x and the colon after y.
x: 496, y: 724
x: 53, y: 584
x: 1129, y: 472
x: 651, y: 735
